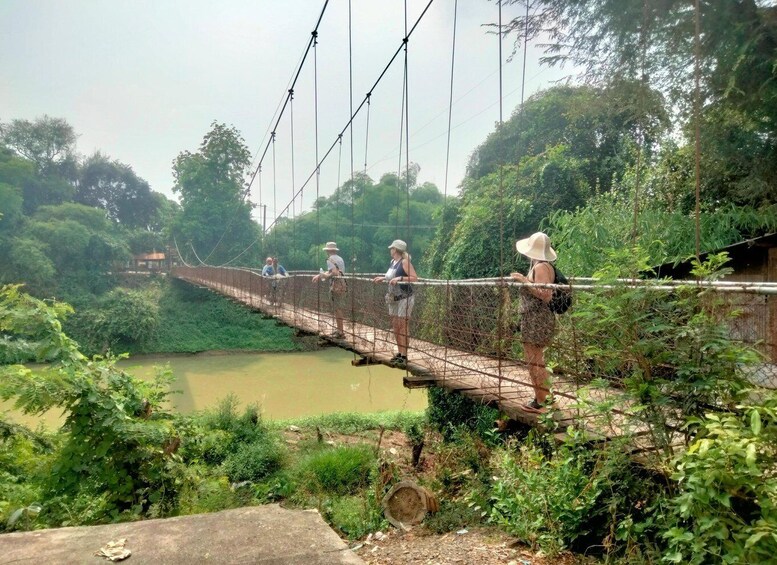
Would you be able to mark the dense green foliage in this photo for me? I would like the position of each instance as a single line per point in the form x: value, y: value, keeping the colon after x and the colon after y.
x: 69, y: 222
x: 589, y: 236
x: 172, y: 316
x: 363, y: 217
x: 112, y: 449
x: 193, y: 319
x: 215, y: 224
x: 726, y: 506
x: 654, y: 42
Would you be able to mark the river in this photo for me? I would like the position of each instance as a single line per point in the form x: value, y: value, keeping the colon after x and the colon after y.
x: 284, y: 385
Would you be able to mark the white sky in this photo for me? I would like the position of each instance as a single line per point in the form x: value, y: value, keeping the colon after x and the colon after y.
x: 142, y: 80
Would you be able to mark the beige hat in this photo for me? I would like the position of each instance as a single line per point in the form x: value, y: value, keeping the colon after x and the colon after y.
x: 330, y: 246
x: 536, y: 246
x: 399, y: 245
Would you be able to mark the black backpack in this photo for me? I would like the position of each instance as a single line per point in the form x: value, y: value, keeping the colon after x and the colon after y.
x: 562, y: 297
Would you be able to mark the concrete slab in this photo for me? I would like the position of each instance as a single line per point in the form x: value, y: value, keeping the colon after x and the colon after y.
x: 269, y: 535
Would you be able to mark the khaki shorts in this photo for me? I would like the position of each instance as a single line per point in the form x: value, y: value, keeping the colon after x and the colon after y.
x: 401, y: 308
x: 339, y: 299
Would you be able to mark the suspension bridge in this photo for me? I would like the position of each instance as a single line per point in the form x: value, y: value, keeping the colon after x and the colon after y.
x: 462, y: 334
x: 462, y: 338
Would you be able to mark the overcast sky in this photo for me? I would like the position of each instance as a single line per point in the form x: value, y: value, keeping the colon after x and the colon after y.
x: 142, y: 80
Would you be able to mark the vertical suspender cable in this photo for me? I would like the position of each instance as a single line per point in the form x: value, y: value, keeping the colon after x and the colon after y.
x: 407, y: 131
x: 500, y: 311
x: 641, y: 118
x: 264, y: 219
x: 446, y: 310
x: 274, y: 192
x: 366, y: 146
x: 407, y: 159
x: 350, y: 127
x: 367, y: 133
x: 318, y: 170
x: 337, y: 188
x: 697, y: 128
x: 293, y: 182
x: 399, y: 160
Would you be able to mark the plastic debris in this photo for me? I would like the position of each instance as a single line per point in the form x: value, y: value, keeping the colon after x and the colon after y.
x: 462, y: 532
x: 114, y: 550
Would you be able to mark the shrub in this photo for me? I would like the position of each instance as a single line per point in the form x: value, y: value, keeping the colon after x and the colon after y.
x: 342, y: 470
x: 206, y: 494
x: 254, y: 461
x: 116, y: 427
x: 575, y: 497
x: 448, y: 411
x: 725, y: 509
x: 354, y: 516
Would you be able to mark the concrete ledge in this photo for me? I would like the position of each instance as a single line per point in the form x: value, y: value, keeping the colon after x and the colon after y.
x: 258, y: 534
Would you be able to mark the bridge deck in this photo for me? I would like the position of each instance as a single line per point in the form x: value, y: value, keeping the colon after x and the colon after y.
x: 501, y: 383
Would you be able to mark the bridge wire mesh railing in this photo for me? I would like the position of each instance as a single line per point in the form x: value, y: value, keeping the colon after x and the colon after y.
x: 455, y: 335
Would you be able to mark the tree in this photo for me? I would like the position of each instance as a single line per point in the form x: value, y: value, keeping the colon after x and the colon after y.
x: 47, y: 142
x: 81, y: 243
x: 215, y: 219
x: 36, y: 189
x: 653, y: 43
x: 114, y: 187
x: 600, y: 125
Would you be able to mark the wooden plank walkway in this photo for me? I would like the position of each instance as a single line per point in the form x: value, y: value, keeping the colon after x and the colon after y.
x: 501, y: 383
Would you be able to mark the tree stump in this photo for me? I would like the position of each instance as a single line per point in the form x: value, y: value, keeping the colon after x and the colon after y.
x: 407, y: 504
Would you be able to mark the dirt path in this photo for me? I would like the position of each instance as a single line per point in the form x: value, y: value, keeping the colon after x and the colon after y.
x: 475, y: 547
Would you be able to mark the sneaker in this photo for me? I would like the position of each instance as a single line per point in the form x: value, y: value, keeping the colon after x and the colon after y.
x: 534, y: 407
x: 399, y: 359
x: 338, y: 335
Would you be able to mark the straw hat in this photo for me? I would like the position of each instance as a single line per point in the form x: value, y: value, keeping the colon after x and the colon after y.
x: 399, y: 245
x: 330, y: 246
x: 536, y: 246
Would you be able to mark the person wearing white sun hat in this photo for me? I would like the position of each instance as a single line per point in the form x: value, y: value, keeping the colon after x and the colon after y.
x: 538, y: 322
x: 399, y: 298
x: 338, y: 289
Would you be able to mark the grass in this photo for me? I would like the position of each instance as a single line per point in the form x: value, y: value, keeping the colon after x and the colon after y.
x: 193, y: 319
x: 353, y: 423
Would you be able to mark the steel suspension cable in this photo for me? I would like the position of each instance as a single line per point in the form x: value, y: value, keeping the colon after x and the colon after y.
x: 337, y: 188
x: 274, y: 190
x: 696, y: 126
x: 247, y: 190
x: 363, y: 103
x: 444, y: 313
x: 318, y: 169
x: 500, y: 310
x: 407, y: 133
x: 293, y: 198
x: 399, y: 157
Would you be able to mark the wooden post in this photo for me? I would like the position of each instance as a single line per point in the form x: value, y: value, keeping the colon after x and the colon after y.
x: 771, y: 301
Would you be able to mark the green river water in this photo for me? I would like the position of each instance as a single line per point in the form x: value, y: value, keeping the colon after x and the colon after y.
x: 284, y: 385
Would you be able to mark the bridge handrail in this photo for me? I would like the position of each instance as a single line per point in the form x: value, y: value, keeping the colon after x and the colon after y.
x: 578, y: 283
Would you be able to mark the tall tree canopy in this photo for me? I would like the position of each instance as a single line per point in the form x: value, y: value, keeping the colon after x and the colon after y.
x: 48, y: 142
x: 363, y: 217
x: 114, y: 187
x: 215, y: 222
x: 653, y: 42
